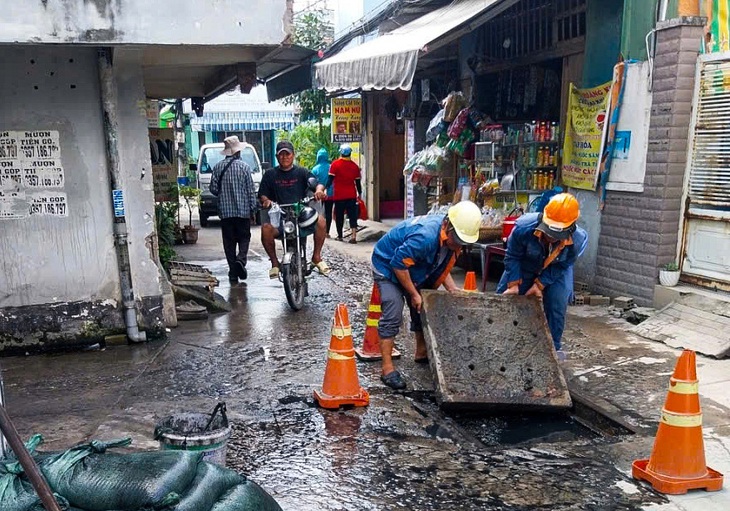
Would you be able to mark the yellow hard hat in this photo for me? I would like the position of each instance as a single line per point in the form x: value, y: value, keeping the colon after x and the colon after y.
x: 466, y: 218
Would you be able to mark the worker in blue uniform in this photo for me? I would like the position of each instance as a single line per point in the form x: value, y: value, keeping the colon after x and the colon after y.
x: 541, y: 252
x: 417, y: 254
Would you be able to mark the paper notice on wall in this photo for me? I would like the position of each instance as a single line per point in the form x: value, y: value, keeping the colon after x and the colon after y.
x: 30, y: 163
x: 48, y: 204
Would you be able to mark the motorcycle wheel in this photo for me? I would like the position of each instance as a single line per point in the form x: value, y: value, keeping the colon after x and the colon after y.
x: 293, y: 283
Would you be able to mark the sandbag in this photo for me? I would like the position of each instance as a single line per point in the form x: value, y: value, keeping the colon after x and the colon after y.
x: 16, y: 492
x: 247, y: 496
x: 209, y: 485
x: 94, y: 480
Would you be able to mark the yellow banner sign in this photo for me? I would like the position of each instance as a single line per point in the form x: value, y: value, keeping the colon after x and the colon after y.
x: 346, y: 120
x: 582, y: 149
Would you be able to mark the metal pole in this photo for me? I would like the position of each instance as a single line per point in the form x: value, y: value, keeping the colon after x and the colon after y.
x: 27, y: 462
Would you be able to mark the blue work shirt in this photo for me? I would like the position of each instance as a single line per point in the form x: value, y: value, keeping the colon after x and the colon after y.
x: 417, y: 245
x: 526, y: 254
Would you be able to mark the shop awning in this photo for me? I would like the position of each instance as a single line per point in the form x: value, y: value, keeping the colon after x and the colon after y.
x: 234, y: 111
x: 243, y: 121
x: 389, y: 61
x: 287, y: 70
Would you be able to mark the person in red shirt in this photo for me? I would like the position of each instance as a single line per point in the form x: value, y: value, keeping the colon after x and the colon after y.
x: 345, y: 176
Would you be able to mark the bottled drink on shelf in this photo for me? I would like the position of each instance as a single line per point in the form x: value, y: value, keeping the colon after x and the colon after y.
x: 555, y: 132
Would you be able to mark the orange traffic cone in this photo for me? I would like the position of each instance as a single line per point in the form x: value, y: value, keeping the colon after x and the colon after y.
x: 341, y: 385
x: 677, y: 462
x: 371, y: 343
x: 470, y: 282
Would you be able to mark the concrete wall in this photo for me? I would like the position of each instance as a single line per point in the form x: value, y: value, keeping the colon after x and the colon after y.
x: 49, y: 259
x: 136, y: 171
x: 255, y: 22
x: 59, y: 278
x: 640, y: 231
x: 603, y: 41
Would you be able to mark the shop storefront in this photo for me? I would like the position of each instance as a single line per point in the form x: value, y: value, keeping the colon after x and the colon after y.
x: 499, y: 140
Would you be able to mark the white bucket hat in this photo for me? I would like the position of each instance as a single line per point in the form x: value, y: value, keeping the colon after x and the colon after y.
x: 233, y: 146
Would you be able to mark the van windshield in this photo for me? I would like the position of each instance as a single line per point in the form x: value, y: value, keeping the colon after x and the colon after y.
x: 212, y: 155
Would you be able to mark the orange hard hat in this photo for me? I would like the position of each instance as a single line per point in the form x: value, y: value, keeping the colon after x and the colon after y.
x: 562, y: 211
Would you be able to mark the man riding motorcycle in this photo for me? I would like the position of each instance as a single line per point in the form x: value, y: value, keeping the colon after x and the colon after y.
x: 287, y: 183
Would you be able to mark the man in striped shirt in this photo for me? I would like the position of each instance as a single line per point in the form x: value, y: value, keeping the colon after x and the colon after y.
x: 233, y: 185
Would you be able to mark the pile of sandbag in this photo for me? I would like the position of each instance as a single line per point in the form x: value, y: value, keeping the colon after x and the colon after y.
x: 88, y: 478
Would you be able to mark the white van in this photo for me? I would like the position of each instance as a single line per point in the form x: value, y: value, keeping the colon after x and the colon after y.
x: 210, y: 154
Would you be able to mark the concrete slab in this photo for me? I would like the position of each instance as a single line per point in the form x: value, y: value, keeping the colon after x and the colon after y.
x: 689, y: 324
x: 491, y: 351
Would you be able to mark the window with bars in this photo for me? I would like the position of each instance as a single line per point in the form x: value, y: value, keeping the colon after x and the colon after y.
x: 532, y: 26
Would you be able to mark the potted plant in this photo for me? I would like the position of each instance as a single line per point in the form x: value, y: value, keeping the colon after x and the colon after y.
x: 191, y: 195
x: 669, y: 274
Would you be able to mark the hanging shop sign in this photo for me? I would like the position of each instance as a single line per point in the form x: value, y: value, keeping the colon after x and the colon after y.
x: 585, y: 125
x: 346, y: 120
x: 164, y: 163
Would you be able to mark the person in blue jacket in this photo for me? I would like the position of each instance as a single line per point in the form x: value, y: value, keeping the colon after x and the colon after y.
x: 417, y: 254
x: 541, y: 252
x: 321, y: 171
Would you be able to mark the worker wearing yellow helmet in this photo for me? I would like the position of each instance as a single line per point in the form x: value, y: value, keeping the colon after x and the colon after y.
x: 417, y: 254
x: 541, y: 252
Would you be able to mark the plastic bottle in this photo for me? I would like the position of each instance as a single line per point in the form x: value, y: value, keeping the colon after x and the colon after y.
x: 555, y: 132
x: 533, y: 132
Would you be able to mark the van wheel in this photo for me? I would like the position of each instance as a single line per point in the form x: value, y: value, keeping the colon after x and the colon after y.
x: 203, y: 220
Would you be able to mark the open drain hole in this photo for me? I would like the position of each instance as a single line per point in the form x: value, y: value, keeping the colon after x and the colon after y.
x: 588, y: 419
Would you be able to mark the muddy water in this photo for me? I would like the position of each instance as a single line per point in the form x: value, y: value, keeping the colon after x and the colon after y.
x: 264, y: 360
x: 402, y: 452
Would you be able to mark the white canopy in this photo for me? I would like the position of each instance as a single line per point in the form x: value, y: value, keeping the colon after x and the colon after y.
x: 389, y: 61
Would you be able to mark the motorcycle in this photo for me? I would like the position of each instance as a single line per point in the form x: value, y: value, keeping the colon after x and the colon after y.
x: 299, y: 221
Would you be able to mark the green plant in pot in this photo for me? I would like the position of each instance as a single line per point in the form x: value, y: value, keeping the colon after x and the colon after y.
x: 191, y: 196
x: 669, y: 274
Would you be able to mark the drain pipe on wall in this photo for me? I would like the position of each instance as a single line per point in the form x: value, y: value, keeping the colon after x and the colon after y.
x: 111, y: 134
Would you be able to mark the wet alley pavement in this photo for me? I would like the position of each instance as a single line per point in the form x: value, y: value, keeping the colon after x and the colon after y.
x: 401, y: 452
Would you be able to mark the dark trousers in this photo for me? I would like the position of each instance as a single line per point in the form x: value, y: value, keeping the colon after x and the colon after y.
x: 328, y: 206
x: 236, y: 235
x: 350, y: 207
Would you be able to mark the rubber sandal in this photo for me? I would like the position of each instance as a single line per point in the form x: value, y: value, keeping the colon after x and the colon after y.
x: 352, y: 242
x: 394, y: 380
x: 274, y: 273
x: 423, y: 360
x: 321, y: 267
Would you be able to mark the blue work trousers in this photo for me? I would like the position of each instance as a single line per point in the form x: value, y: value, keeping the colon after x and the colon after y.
x: 555, y: 302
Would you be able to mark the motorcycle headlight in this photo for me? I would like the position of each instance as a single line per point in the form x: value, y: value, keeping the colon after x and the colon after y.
x: 288, y: 227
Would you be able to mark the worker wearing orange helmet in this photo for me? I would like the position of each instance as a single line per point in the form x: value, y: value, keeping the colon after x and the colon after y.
x: 541, y: 252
